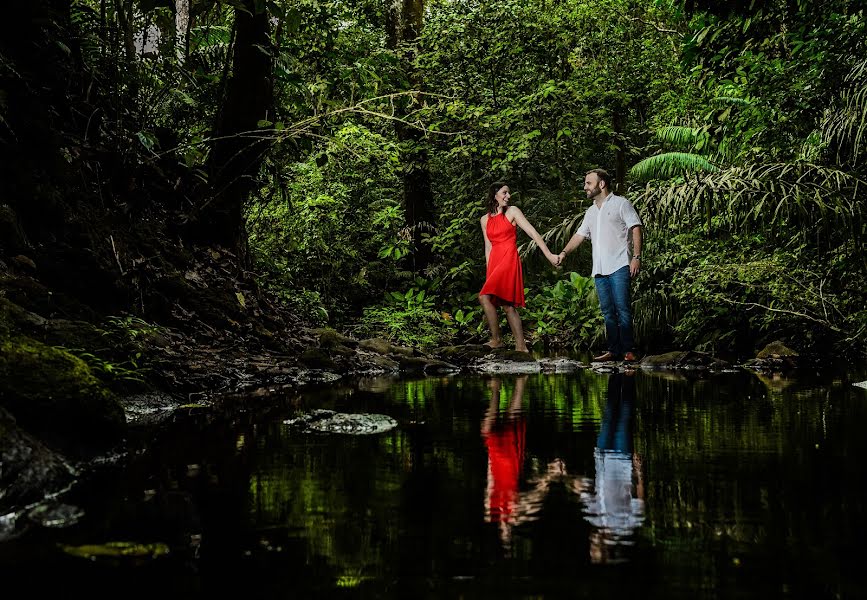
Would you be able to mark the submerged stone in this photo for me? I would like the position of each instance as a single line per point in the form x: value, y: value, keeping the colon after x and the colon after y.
x: 327, y: 421
x: 56, y: 515
x: 118, y: 550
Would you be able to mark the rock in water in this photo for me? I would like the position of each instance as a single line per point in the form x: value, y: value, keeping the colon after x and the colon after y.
x: 327, y: 421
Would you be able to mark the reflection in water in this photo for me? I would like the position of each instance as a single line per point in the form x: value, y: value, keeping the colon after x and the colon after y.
x: 504, y: 432
x: 615, y: 503
x: 742, y: 492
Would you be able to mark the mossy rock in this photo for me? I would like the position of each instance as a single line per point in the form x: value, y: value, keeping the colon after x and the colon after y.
x: 14, y: 319
x: 412, y: 364
x: 664, y: 360
x: 462, y: 354
x: 50, y: 391
x: 776, y: 349
x: 329, y: 338
x: 381, y: 346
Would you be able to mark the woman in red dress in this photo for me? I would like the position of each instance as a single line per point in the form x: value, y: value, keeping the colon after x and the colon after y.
x: 504, y: 284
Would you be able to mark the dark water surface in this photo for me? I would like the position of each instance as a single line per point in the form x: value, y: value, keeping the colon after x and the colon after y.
x: 575, y: 485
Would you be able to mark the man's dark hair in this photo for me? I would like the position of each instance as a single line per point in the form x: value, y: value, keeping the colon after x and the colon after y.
x: 604, y: 176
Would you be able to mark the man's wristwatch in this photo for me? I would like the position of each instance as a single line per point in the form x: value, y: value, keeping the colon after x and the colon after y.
x: 636, y: 257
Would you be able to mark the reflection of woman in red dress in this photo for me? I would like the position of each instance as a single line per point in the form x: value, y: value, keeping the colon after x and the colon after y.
x: 504, y: 284
x: 505, y: 433
x: 504, y: 438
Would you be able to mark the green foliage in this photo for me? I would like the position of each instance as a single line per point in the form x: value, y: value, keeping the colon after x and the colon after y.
x: 566, y: 313
x: 108, y: 370
x: 408, y: 319
x: 130, y: 328
x: 737, y: 295
x: 671, y: 164
x: 332, y: 225
x: 766, y: 155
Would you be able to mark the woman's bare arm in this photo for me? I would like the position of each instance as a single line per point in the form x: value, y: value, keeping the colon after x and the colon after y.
x: 484, y: 223
x: 521, y: 221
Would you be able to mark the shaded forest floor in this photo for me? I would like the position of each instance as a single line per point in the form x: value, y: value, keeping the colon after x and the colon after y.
x: 145, y: 310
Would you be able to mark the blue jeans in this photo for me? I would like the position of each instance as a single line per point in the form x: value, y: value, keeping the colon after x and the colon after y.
x: 615, y: 432
x: 613, y: 292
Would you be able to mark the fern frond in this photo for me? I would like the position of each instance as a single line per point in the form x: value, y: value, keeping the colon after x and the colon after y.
x: 764, y: 195
x: 671, y: 164
x: 685, y: 138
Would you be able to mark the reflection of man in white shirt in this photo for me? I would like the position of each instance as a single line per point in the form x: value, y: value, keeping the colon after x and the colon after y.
x: 608, y: 224
x: 615, y: 506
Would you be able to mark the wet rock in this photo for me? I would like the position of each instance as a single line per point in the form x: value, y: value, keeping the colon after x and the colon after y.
x: 24, y: 264
x: 150, y: 408
x: 560, y: 365
x: 327, y: 421
x: 610, y: 367
x: 776, y: 356
x: 31, y: 472
x: 316, y: 377
x: 421, y: 364
x: 461, y: 355
x: 370, y: 363
x: 506, y: 362
x: 381, y: 346
x: 55, y: 515
x: 683, y: 359
x: 329, y: 338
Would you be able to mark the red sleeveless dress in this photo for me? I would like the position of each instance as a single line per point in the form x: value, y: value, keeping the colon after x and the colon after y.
x: 505, y: 278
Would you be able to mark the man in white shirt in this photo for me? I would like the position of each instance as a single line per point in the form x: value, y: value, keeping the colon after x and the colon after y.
x: 608, y: 224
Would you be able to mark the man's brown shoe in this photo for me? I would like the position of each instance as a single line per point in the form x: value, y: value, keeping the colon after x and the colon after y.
x: 603, y: 357
x: 629, y: 357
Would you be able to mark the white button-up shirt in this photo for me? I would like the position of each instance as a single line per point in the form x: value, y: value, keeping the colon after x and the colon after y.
x: 607, y: 228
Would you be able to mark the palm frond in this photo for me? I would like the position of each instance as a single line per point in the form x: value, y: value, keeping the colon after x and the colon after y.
x: 768, y: 195
x: 556, y: 237
x: 671, y: 164
x: 845, y: 125
x: 685, y: 138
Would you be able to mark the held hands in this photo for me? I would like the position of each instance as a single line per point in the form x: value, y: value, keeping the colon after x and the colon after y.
x: 554, y: 259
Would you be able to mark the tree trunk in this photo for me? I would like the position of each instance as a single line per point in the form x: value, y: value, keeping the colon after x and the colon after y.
x: 404, y: 22
x: 236, y: 156
x: 182, y: 28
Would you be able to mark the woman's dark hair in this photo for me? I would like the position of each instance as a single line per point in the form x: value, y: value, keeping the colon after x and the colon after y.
x: 491, y: 201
